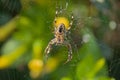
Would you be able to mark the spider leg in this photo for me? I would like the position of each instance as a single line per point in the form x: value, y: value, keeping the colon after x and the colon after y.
x: 49, y: 47
x: 69, y: 52
x: 56, y: 13
x: 71, y: 23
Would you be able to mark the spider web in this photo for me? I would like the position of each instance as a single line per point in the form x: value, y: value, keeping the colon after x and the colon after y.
x: 114, y: 64
x: 9, y: 9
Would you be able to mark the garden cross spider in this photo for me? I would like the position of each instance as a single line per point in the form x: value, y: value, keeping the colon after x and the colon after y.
x: 61, y: 27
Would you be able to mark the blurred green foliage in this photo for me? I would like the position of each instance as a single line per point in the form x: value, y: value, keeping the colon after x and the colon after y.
x: 24, y: 38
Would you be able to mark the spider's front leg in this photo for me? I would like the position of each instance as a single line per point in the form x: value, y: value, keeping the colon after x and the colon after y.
x: 69, y: 52
x: 49, y: 47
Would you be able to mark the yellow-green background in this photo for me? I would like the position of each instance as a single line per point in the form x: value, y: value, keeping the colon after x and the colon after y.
x: 26, y: 27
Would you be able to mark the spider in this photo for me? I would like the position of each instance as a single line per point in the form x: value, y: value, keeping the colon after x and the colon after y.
x: 61, y: 28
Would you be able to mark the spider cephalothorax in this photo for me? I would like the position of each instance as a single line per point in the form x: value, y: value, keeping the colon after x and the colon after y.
x: 60, y: 34
x: 61, y: 27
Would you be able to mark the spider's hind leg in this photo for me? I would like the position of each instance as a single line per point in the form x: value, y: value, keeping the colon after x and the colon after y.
x: 49, y: 47
x: 69, y: 52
